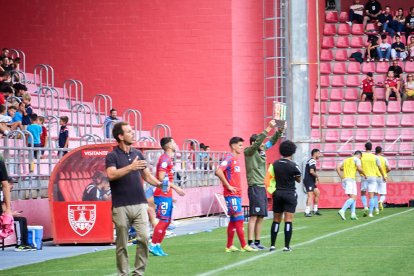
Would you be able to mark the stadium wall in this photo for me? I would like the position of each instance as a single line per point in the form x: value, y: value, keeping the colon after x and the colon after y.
x: 394, y: 4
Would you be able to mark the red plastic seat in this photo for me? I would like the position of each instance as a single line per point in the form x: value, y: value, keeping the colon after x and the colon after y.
x: 363, y: 121
x: 359, y: 146
x: 345, y: 149
x: 391, y: 149
x: 329, y: 149
x: 343, y: 17
x: 407, y: 134
x: 357, y: 29
x: 407, y: 120
x: 335, y: 108
x: 315, y: 134
x: 339, y: 68
x: 323, y: 96
x: 406, y: 148
x: 329, y: 29
x: 328, y: 163
x: 353, y: 80
x: 357, y: 42
x: 322, y: 107
x: 316, y: 121
x: 392, y: 162
x: 376, y: 135
x: 341, y: 55
x: 368, y: 67
x: 391, y: 134
x: 378, y: 121
x: 379, y: 93
x: 393, y: 120
x: 344, y: 29
x: 326, y: 55
x: 354, y: 67
x: 326, y: 68
x: 350, y: 107
x: 332, y: 135
x: 346, y: 134
x: 351, y: 94
x: 348, y: 121
x: 342, y: 41
x: 325, y: 81
x: 328, y: 42
x: 404, y: 163
x: 379, y: 107
x: 338, y: 81
x: 364, y: 108
x: 331, y: 17
x: 361, y: 135
x: 408, y: 106
x: 409, y: 67
x: 380, y: 79
x: 382, y: 67
x: 394, y: 107
x: 334, y: 121
x: 371, y: 29
x: 336, y: 94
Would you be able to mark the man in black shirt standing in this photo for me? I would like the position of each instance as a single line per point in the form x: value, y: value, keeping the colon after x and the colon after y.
x: 409, y: 24
x: 125, y: 166
x: 310, y: 179
x: 285, y: 172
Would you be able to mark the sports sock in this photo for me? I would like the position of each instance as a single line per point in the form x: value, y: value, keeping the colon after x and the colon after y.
x: 273, y: 233
x: 240, y: 232
x: 347, y: 204
x: 159, y: 231
x: 353, y: 207
x: 364, y: 201
x: 257, y: 242
x: 231, y: 229
x: 307, y: 210
x: 371, y: 205
x: 249, y: 241
x: 376, y: 202
x: 315, y: 208
x: 382, y: 198
x: 288, y: 233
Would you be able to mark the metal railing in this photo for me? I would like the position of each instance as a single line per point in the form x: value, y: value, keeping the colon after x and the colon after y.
x: 44, y: 69
x: 88, y: 138
x: 160, y: 128
x: 137, y: 119
x: 18, y: 76
x: 97, y: 103
x: 76, y: 110
x: 48, y: 92
x: 20, y: 54
x: 68, y: 87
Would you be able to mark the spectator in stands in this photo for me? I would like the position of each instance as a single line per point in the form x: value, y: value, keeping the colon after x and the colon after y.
x: 356, y: 12
x: 36, y: 130
x: 4, y: 120
x: 384, y: 49
x: 109, y: 122
x: 6, y: 80
x: 26, y: 109
x: 372, y: 11
x: 5, y: 65
x: 408, y: 92
x: 97, y: 190
x: 386, y: 22
x: 19, y: 89
x: 7, y: 92
x: 396, y: 69
x: 411, y: 48
x: 5, y: 53
x: 399, y: 19
x: 409, y: 24
x: 15, y: 63
x: 367, y: 88
x: 43, y: 137
x: 64, y: 134
x: 16, y: 121
x: 392, y: 87
x: 398, y: 49
x: 371, y: 52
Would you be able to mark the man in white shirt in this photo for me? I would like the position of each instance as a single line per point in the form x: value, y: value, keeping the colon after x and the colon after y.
x: 384, y: 49
x: 356, y: 12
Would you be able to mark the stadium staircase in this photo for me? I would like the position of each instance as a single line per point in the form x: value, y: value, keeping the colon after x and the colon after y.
x: 341, y: 123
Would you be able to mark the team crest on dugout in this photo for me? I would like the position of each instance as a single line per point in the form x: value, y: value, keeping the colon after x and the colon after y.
x: 82, y: 218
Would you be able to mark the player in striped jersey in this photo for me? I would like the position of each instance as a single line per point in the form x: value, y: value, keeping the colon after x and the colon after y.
x: 382, y: 185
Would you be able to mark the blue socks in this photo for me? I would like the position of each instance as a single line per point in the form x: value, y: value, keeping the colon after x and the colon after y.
x: 364, y: 201
x: 347, y: 204
x: 353, y: 207
x: 376, y: 202
x: 371, y: 205
x: 382, y: 198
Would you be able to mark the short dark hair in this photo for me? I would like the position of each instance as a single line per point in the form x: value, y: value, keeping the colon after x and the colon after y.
x: 64, y: 119
x: 378, y: 149
x: 358, y: 152
x: 314, y: 151
x: 253, y: 138
x: 7, y: 89
x: 202, y: 146
x: 287, y: 148
x: 98, y: 174
x: 117, y: 130
x: 112, y: 110
x: 19, y: 86
x: 383, y: 36
x: 164, y: 141
x: 12, y: 107
x: 235, y: 140
x: 368, y: 146
x: 388, y: 7
x: 2, y: 108
x: 369, y: 74
x: 4, y: 49
x: 397, y: 36
x: 33, y: 117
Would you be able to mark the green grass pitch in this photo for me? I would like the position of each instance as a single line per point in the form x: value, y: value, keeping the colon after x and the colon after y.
x: 326, y: 245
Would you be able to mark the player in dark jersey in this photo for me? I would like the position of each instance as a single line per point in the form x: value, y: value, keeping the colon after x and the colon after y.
x: 309, y: 180
x: 96, y: 190
x: 285, y: 172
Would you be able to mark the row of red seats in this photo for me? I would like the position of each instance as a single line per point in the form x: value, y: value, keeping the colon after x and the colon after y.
x: 332, y: 16
x: 348, y: 94
x: 363, y: 135
x: 345, y: 29
x: 329, y: 42
x: 363, y: 121
x: 349, y: 80
x: 378, y: 107
x: 352, y: 67
x: 395, y: 162
x: 346, y: 149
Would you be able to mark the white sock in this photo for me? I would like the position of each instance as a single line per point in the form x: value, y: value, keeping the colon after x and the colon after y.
x: 307, y: 210
x: 315, y: 208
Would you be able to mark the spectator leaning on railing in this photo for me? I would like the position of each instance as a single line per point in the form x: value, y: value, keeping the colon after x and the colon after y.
x: 109, y: 121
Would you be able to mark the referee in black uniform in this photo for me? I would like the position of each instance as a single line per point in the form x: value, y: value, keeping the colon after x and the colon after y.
x: 285, y: 172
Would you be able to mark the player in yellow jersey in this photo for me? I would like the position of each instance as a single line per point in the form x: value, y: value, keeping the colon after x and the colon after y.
x: 347, y: 170
x: 371, y: 166
x: 382, y: 185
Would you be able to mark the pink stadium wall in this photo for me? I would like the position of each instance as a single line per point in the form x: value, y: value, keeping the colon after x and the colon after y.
x: 197, y: 68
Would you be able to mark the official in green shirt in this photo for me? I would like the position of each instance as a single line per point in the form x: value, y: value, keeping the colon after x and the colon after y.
x: 255, y: 159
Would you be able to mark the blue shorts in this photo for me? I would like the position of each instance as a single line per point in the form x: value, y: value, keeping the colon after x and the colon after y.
x: 163, y: 208
x: 234, y: 208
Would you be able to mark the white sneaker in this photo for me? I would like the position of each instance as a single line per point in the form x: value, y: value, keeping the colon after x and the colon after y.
x: 382, y: 59
x: 371, y: 215
x: 401, y: 59
x: 349, y: 23
x: 387, y: 59
x: 342, y: 214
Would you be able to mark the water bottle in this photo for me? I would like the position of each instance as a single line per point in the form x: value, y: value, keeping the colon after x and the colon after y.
x: 165, y: 184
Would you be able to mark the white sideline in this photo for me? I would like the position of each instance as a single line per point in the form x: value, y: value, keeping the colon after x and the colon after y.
x: 211, y: 272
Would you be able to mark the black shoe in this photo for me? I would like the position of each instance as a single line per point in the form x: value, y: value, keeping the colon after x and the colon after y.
x: 317, y: 213
x: 308, y: 215
x: 386, y: 103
